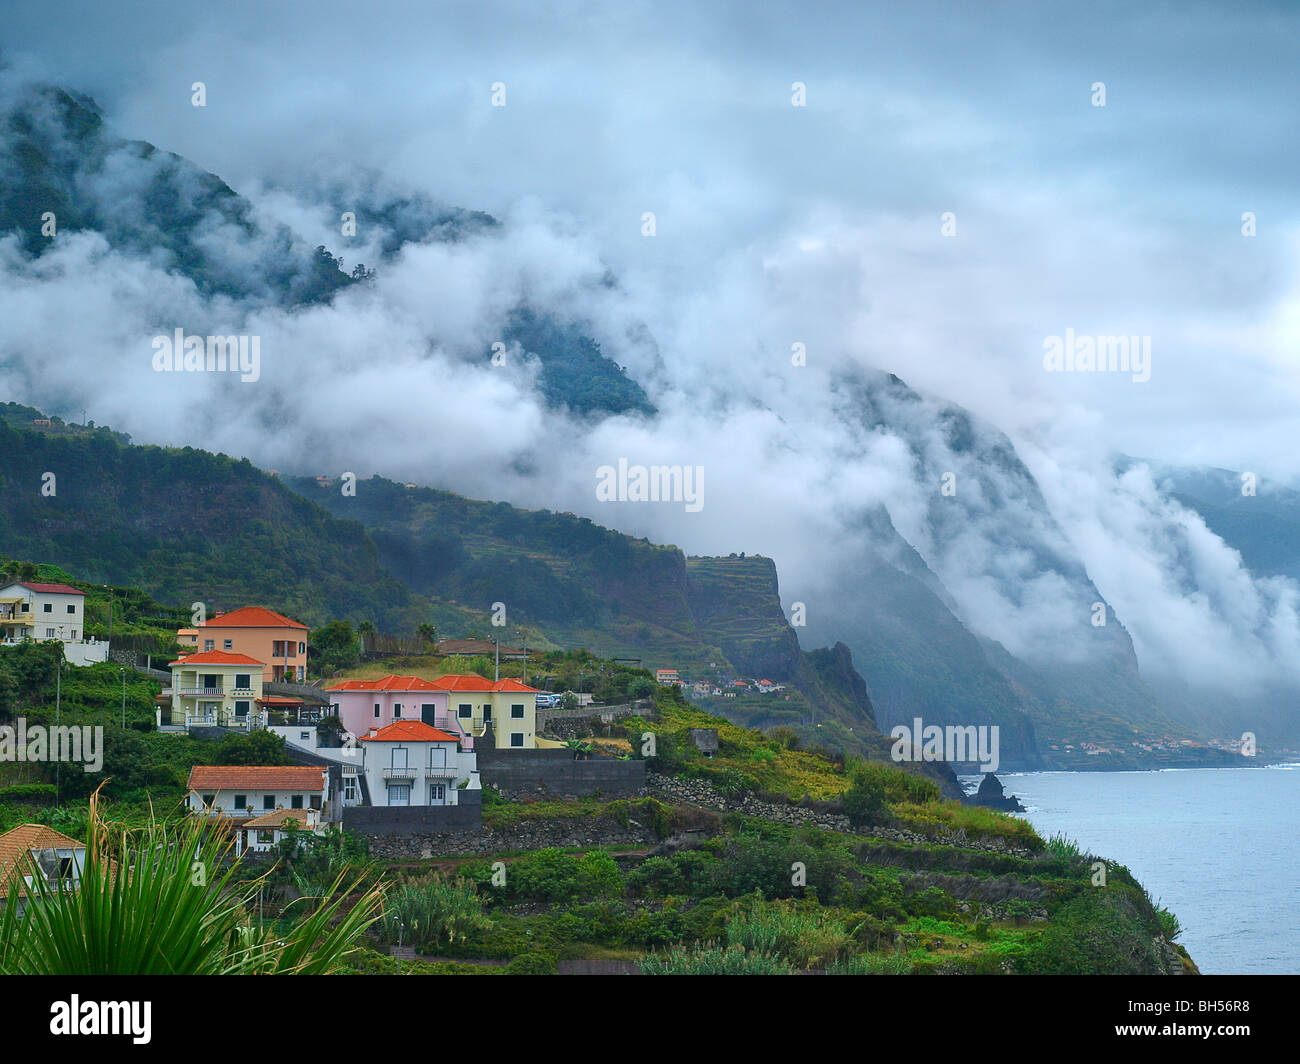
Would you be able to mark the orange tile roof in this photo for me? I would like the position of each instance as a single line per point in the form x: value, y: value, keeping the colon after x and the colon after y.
x: 218, y: 657
x: 415, y: 731
x: 469, y: 682
x: 257, y: 777
x: 252, y: 617
x: 16, y: 852
x: 513, y: 685
x: 277, y: 818
x: 385, y: 683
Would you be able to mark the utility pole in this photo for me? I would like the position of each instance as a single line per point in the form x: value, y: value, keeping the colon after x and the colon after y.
x: 123, y: 672
x: 497, y: 674
x: 58, y: 701
x: 110, y: 615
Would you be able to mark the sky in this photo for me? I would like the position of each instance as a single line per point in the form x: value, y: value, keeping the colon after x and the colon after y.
x: 776, y: 224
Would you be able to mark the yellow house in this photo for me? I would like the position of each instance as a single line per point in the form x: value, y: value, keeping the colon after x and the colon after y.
x: 216, y: 688
x: 510, y: 706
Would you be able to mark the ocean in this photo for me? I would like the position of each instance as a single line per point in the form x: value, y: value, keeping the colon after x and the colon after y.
x: 1220, y: 847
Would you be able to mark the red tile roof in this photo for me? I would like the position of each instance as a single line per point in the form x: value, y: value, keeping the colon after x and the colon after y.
x: 385, y: 683
x: 218, y: 657
x: 16, y: 848
x: 50, y: 589
x: 512, y: 685
x: 257, y: 777
x: 469, y: 682
x: 252, y: 617
x: 414, y: 731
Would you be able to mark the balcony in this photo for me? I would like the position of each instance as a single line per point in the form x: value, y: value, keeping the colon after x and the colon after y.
x: 202, y: 692
x: 441, y: 772
x: 400, y: 773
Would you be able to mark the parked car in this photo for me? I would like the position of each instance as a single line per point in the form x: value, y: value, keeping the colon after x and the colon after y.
x: 548, y: 701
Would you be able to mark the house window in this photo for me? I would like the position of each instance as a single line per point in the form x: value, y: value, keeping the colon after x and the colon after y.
x: 296, y: 801
x: 464, y: 710
x: 209, y: 799
x: 268, y: 801
x: 315, y: 802
x: 397, y: 709
x: 399, y: 794
x: 49, y: 607
x: 302, y: 648
x: 241, y: 709
x: 49, y: 633
x: 437, y: 793
x: 72, y: 609
x: 264, y: 837
x: 209, y: 644
x: 305, y: 736
x: 243, y: 680
x: 74, y: 635
x: 301, y: 672
x: 241, y: 801
x: 228, y: 644
x: 516, y: 738
x: 517, y: 711
x: 349, y: 789
x: 376, y: 711
x: 66, y: 868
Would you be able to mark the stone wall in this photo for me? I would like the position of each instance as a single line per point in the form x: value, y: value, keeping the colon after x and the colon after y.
x: 378, y: 821
x: 644, y: 708
x: 563, y: 832
x: 530, y: 773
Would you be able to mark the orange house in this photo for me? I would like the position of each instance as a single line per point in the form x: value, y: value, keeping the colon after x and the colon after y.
x: 259, y: 633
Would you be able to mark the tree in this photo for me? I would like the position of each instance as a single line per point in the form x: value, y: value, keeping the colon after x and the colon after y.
x: 864, y: 801
x: 367, y: 632
x: 334, y: 647
x: 428, y: 635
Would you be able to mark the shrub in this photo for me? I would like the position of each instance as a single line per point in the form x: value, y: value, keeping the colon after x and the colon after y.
x: 28, y: 793
x: 424, y: 914
x: 712, y: 959
x: 533, y: 963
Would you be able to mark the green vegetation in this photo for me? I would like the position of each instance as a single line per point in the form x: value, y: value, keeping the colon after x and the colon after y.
x: 110, y: 924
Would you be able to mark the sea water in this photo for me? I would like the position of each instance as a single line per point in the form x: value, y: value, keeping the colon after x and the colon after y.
x: 1220, y: 847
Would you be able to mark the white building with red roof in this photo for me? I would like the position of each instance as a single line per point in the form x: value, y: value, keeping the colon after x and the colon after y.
x: 31, y: 611
x: 243, y: 792
x: 412, y: 763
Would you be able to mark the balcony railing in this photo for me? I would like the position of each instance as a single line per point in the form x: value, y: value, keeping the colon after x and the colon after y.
x: 441, y: 771
x: 202, y: 692
x: 400, y: 773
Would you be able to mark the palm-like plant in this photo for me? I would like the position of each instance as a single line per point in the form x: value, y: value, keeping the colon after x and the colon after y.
x: 166, y: 906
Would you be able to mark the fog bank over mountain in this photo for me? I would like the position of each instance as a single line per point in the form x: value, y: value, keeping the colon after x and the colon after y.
x: 781, y: 234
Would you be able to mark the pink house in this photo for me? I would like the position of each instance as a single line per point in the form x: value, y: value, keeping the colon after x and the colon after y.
x: 365, y: 704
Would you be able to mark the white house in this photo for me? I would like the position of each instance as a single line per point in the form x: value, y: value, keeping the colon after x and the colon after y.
x: 413, y: 763
x: 267, y: 831
x: 40, y: 612
x: 33, y: 850
x: 248, y: 791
